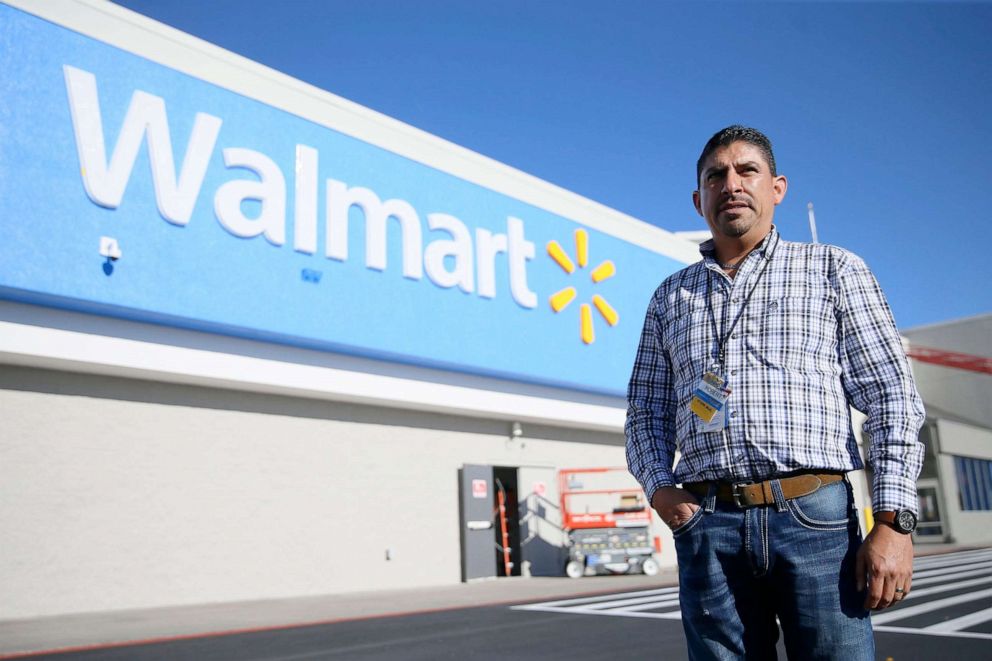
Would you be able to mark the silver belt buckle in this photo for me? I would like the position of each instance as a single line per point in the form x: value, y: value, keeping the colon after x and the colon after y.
x: 737, y: 495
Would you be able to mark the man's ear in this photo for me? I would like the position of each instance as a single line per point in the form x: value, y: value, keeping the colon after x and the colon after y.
x: 780, y: 185
x: 696, y: 202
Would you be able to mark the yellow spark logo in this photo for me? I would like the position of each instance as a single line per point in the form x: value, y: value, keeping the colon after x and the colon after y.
x: 561, y: 299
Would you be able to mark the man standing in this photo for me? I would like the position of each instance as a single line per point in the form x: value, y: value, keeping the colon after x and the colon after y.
x: 747, y: 365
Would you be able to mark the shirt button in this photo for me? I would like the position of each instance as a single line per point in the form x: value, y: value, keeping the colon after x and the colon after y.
x: 734, y: 336
x: 733, y: 414
x: 733, y: 371
x: 737, y: 299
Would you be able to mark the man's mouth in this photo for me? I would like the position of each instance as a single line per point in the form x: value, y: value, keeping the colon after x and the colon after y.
x: 734, y: 205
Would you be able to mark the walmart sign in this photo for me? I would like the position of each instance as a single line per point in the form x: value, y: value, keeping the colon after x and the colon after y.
x: 132, y: 190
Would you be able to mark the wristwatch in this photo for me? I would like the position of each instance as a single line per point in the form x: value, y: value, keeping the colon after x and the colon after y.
x: 902, y: 521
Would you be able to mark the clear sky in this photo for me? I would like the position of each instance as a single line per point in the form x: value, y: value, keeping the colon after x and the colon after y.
x: 878, y: 111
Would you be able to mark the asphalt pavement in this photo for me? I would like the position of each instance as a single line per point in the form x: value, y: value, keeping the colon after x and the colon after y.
x: 630, y: 617
x: 93, y: 631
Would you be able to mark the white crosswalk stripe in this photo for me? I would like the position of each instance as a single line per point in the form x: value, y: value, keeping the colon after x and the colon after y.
x: 663, y: 604
x: 946, y: 587
x: 929, y: 580
x: 940, y: 571
x: 950, y: 597
x: 952, y: 558
x: 962, y: 622
x: 929, y: 609
x: 928, y: 606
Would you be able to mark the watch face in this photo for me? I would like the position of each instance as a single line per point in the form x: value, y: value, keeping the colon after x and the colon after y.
x: 906, y: 520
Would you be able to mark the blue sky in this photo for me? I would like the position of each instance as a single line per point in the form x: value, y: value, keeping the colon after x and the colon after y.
x: 877, y: 110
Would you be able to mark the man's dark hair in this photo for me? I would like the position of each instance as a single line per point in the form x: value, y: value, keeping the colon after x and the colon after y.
x: 737, y: 133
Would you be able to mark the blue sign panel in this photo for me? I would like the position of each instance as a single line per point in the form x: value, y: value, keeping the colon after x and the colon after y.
x: 132, y: 190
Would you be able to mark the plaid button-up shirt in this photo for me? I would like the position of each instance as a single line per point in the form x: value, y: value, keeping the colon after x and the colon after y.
x: 816, y: 336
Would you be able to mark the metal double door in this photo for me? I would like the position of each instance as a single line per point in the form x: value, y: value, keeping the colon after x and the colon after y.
x: 541, y: 550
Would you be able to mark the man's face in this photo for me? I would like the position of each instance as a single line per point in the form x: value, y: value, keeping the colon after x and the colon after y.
x: 737, y: 193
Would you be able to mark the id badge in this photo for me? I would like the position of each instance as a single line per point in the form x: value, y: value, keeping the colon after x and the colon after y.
x: 708, y: 402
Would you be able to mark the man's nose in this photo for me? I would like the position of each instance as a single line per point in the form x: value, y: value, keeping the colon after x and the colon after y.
x: 733, y: 182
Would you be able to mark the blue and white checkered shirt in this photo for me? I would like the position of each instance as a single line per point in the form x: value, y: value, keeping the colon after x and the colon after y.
x: 816, y: 336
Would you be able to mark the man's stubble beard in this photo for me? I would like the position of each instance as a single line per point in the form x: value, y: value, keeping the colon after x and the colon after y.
x: 738, y: 227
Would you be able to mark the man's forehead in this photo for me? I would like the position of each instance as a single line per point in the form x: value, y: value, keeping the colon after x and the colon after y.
x: 735, y: 153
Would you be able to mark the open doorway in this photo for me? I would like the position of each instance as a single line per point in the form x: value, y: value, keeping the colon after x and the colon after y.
x: 510, y: 522
x: 507, y: 521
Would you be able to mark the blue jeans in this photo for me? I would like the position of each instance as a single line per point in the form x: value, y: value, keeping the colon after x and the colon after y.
x: 740, y: 568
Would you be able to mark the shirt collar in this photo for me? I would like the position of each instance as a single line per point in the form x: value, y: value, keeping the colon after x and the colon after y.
x: 708, y: 249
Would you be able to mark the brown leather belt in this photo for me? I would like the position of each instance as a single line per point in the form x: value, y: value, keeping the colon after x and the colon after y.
x: 751, y: 494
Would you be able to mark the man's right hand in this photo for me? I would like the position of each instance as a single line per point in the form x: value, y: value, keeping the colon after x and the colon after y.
x: 675, y: 506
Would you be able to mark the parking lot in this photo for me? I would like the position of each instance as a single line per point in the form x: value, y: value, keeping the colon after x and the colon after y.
x: 948, y: 614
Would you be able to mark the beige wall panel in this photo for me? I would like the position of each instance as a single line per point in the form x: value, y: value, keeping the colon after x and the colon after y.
x: 972, y: 528
x: 119, y: 494
x: 965, y: 440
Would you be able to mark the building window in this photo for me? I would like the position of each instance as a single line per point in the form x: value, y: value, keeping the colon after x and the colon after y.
x: 974, y: 483
x: 928, y: 437
x: 929, y: 525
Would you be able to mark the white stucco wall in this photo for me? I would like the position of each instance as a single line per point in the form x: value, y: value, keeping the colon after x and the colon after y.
x: 118, y: 493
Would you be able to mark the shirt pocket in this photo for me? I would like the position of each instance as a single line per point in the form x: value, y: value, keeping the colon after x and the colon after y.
x: 796, y: 332
x: 688, y: 339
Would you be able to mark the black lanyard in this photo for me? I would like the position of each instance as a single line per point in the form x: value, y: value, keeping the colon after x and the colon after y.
x: 722, y: 340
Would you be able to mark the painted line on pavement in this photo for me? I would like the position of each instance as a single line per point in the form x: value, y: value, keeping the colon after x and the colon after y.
x: 919, y: 609
x: 963, y: 622
x: 612, y: 595
x: 947, y: 587
x: 673, y: 615
x: 643, y: 607
x: 924, y: 632
x: 631, y: 602
x: 950, y: 559
x: 950, y: 570
x: 927, y: 580
x: 929, y: 557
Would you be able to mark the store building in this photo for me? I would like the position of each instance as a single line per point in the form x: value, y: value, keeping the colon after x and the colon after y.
x: 257, y: 341
x: 254, y: 338
x: 952, y: 363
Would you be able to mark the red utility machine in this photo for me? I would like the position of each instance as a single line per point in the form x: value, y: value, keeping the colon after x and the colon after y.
x: 607, y: 523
